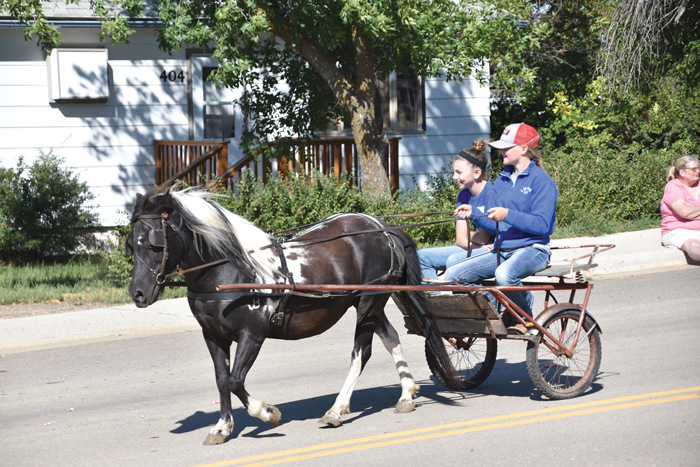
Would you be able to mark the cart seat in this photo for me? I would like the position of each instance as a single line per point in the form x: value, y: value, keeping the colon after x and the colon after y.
x: 564, y: 270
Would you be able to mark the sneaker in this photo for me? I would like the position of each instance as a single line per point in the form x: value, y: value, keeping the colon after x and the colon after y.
x: 517, y: 330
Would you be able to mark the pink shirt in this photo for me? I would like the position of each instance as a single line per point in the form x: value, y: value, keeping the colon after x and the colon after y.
x: 669, y: 219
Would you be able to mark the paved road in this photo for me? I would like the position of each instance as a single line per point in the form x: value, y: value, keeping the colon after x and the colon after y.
x: 150, y: 400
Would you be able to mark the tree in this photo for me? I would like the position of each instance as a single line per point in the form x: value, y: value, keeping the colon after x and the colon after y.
x: 647, y: 40
x: 563, y: 62
x: 332, y: 54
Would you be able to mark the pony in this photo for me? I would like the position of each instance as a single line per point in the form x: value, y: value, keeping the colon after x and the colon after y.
x: 186, y: 231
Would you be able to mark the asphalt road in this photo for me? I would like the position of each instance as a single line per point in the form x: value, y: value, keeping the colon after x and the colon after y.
x: 151, y: 400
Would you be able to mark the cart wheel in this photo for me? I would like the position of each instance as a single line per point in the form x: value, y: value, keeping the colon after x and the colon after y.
x: 552, y: 373
x: 472, y: 358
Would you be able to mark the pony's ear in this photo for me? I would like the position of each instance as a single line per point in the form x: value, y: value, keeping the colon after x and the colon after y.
x: 139, y: 197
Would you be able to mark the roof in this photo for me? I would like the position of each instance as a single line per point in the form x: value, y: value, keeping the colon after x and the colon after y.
x: 59, y: 11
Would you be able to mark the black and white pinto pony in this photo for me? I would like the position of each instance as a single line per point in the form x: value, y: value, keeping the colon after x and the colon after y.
x: 185, y: 229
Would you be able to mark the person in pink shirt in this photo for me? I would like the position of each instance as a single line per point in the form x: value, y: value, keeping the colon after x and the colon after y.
x: 680, y: 207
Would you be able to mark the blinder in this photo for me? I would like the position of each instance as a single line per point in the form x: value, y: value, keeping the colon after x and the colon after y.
x: 156, y: 237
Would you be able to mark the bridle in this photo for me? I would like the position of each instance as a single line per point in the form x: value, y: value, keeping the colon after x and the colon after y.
x: 159, y: 239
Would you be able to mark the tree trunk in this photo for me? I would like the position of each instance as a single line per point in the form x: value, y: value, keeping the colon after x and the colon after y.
x: 370, y: 140
x: 356, y: 94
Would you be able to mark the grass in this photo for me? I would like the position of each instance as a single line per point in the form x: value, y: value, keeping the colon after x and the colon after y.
x: 79, y: 280
x: 84, y: 280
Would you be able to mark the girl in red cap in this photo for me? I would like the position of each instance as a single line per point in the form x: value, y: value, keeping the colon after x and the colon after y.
x: 526, y: 201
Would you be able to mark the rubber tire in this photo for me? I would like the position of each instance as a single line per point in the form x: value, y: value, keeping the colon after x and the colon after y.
x: 571, y: 377
x: 472, y: 358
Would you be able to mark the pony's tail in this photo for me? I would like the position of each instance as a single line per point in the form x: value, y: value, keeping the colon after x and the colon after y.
x: 417, y: 303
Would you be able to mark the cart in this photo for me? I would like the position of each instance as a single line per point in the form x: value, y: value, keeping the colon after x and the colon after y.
x: 563, y: 341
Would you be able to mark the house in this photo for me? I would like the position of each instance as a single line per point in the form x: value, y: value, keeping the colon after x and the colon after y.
x: 100, y: 107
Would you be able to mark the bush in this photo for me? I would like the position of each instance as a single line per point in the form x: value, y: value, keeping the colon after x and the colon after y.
x: 119, y: 265
x: 285, y: 203
x: 41, y: 208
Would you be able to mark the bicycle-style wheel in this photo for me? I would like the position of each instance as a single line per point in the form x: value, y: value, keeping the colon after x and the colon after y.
x: 554, y: 374
x: 473, y: 359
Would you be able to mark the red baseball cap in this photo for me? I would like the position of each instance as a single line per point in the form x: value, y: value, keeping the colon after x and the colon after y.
x: 515, y: 135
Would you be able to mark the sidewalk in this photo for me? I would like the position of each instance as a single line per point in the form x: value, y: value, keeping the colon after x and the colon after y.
x: 634, y: 252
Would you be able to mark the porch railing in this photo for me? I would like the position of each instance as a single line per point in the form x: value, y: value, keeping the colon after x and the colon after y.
x: 194, y: 162
x: 337, y: 156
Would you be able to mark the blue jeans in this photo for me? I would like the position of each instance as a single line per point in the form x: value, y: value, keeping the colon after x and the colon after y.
x: 442, y: 257
x: 515, y: 265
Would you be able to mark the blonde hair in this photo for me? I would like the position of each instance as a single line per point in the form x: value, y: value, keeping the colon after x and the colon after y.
x: 476, y: 156
x: 674, y: 170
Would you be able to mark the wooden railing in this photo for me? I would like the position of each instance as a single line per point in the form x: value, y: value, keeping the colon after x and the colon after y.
x: 194, y: 162
x: 337, y: 156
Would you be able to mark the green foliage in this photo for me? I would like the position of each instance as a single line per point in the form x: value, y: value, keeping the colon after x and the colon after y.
x: 41, y: 208
x: 285, y: 203
x: 119, y: 265
x: 609, y: 156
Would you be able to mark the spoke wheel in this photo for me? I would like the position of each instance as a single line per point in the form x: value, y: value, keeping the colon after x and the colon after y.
x: 473, y: 359
x: 554, y: 374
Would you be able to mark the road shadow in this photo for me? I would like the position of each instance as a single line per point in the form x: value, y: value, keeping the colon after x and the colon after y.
x: 506, y: 380
x: 365, y: 402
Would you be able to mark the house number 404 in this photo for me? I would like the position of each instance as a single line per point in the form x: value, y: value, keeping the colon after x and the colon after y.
x: 172, y: 76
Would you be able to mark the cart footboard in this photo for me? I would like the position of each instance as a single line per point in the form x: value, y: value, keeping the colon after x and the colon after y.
x: 458, y: 315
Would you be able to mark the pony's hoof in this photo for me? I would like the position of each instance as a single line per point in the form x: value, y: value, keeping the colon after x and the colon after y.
x: 214, y: 438
x: 405, y: 407
x: 274, y: 417
x: 331, y: 419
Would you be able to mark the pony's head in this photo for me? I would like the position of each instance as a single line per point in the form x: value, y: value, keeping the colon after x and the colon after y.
x: 186, y: 228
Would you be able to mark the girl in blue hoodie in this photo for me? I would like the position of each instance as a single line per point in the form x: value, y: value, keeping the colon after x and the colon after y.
x: 526, y: 201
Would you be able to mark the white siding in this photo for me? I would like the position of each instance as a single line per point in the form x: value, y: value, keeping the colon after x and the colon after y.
x: 455, y: 115
x: 109, y: 144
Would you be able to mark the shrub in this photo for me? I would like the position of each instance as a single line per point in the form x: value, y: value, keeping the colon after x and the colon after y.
x: 119, y: 265
x: 285, y: 203
x: 41, y: 208
x: 608, y: 155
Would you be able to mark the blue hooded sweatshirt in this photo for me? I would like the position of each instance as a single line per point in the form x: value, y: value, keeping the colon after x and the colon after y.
x: 531, y: 200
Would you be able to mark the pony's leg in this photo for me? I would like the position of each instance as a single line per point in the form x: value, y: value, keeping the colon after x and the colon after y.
x: 247, y: 351
x: 390, y: 338
x: 220, y: 353
x: 361, y: 352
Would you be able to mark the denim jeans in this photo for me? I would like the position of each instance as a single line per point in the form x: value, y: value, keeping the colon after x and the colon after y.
x: 443, y: 257
x: 515, y: 265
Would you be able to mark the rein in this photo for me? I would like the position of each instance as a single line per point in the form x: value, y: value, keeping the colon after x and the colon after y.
x: 162, y: 278
x: 309, y: 241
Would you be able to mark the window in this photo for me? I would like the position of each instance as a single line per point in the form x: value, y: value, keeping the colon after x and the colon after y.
x: 403, y: 104
x: 218, y: 109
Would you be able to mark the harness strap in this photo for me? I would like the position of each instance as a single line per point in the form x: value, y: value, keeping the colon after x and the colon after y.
x: 283, y: 263
x: 196, y: 268
x: 232, y: 296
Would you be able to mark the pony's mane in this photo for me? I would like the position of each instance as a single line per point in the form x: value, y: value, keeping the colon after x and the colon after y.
x: 225, y: 233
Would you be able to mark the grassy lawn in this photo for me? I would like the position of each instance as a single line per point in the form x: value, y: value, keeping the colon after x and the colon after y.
x: 79, y: 280
x: 85, y: 279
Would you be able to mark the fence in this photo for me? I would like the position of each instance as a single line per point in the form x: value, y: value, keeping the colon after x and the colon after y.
x: 204, y: 162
